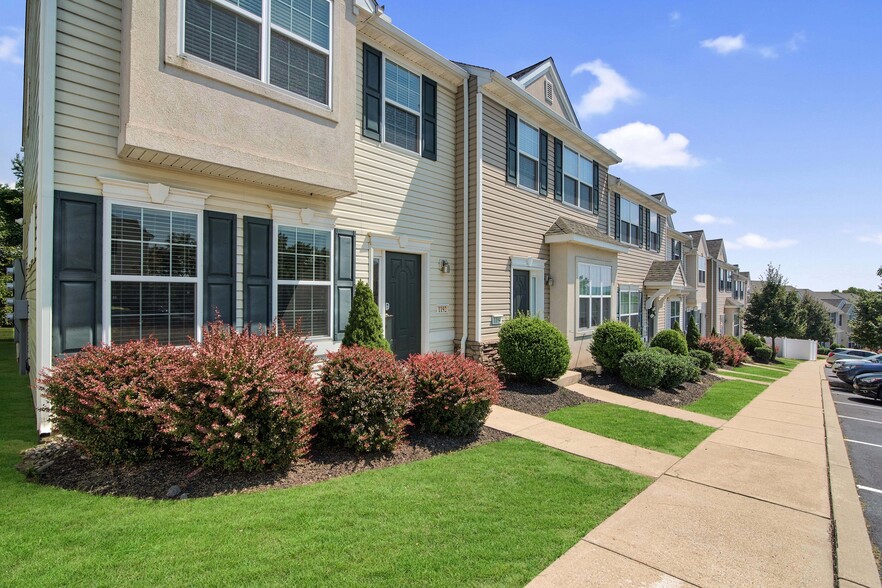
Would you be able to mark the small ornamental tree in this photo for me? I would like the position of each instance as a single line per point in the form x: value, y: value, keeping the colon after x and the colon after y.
x: 773, y: 311
x: 693, y: 333
x: 818, y: 325
x: 676, y: 326
x: 365, y: 326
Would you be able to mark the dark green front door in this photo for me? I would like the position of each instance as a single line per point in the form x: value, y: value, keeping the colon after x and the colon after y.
x: 520, y: 285
x: 403, y: 303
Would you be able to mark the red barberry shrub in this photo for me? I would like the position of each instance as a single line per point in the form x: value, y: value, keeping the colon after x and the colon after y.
x: 365, y: 396
x: 452, y: 394
x: 299, y: 355
x: 241, y: 406
x: 113, y: 399
x: 725, y: 350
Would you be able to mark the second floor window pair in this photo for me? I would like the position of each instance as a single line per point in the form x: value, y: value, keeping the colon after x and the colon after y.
x: 637, y: 225
x: 295, y: 33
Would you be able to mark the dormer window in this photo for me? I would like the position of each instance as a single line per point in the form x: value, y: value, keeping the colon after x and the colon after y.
x: 297, y: 38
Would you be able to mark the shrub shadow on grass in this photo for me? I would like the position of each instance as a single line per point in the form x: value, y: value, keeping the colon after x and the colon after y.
x: 60, y: 463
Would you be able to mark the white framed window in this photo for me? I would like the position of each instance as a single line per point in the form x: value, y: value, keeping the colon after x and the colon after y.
x: 654, y: 231
x: 736, y: 325
x: 728, y: 281
x: 303, y: 279
x: 629, y: 306
x: 402, y: 106
x: 528, y: 156
x: 676, y: 250
x: 722, y: 275
x: 578, y: 180
x: 675, y: 314
x: 285, y: 43
x: 154, y: 261
x: 629, y: 222
x: 594, y: 293
x: 702, y: 270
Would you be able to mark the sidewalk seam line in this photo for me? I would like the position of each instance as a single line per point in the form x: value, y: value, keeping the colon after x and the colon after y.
x: 613, y: 551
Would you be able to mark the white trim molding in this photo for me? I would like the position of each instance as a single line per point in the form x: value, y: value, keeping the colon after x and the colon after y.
x: 304, y: 217
x: 401, y: 243
x: 536, y: 267
x: 587, y: 241
x: 151, y: 193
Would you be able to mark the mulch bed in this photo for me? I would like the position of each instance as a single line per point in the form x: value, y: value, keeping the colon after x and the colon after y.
x: 538, y: 399
x: 678, y: 397
x: 61, y: 463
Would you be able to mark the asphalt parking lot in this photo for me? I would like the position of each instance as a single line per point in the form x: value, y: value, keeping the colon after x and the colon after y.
x: 861, y: 420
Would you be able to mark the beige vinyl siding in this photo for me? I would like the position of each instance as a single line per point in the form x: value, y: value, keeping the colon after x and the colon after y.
x: 537, y: 91
x: 399, y: 193
x: 515, y: 221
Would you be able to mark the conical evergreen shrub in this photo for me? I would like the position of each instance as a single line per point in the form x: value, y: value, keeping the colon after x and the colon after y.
x: 693, y: 333
x: 365, y: 327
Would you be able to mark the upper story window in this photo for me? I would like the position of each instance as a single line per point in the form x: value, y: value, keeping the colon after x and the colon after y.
x: 403, y: 100
x: 722, y: 275
x: 629, y: 222
x: 654, y: 231
x: 676, y: 249
x: 728, y: 281
x: 235, y: 33
x: 578, y: 180
x: 528, y: 156
x: 702, y: 269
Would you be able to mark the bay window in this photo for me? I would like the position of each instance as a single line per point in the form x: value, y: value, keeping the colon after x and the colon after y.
x: 303, y: 280
x: 528, y: 156
x: 296, y: 33
x: 153, y: 274
x: 594, y: 294
x: 578, y: 180
x: 629, y: 306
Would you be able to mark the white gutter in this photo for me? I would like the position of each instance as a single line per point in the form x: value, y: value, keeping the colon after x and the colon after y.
x: 479, y: 197
x: 465, y: 218
x: 45, y: 203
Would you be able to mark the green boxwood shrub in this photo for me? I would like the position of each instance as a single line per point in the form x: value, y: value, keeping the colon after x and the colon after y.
x: 533, y: 349
x: 763, y: 353
x: 660, y: 350
x: 452, y: 394
x: 823, y: 350
x: 672, y: 340
x: 365, y: 395
x: 705, y: 359
x: 612, y: 340
x: 750, y: 342
x: 679, y: 369
x: 643, y: 369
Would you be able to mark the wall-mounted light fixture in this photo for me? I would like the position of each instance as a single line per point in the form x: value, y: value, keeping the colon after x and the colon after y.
x: 549, y: 281
x: 445, y: 266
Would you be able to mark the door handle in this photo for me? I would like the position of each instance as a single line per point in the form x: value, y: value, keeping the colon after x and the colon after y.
x: 388, y: 316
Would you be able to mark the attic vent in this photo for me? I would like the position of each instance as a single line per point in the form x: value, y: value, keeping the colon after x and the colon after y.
x: 549, y: 92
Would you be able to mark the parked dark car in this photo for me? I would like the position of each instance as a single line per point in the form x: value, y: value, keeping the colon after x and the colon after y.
x: 850, y: 371
x: 869, y: 385
x: 837, y: 365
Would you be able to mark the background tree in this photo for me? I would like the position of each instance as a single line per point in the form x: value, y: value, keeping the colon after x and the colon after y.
x: 10, y: 232
x: 818, y: 325
x: 773, y: 311
x: 866, y: 327
x: 693, y: 333
x: 365, y: 326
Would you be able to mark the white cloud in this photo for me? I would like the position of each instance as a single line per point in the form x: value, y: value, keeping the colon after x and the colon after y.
x: 754, y: 241
x: 709, y: 219
x: 646, y: 146
x: 603, y: 97
x: 725, y: 44
x: 795, y: 42
x: 875, y: 239
x: 674, y: 16
x: 11, y: 46
x: 768, y: 52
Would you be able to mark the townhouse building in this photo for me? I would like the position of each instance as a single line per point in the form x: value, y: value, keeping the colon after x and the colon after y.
x: 251, y: 160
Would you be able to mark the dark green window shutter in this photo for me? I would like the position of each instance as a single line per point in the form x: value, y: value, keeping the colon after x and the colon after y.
x: 596, y: 188
x: 640, y: 318
x: 543, y: 163
x: 257, y: 279
x: 643, y: 226
x: 618, y: 217
x: 372, y: 93
x: 344, y: 280
x: 511, y: 140
x: 76, y: 279
x: 619, y: 303
x: 558, y: 170
x: 648, y: 227
x: 430, y: 119
x: 219, y: 259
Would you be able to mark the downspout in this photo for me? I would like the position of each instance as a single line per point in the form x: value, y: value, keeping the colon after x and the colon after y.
x: 479, y: 197
x: 465, y: 218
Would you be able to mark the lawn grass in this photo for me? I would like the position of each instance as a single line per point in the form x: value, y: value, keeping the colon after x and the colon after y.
x: 495, y: 515
x: 788, y: 364
x: 637, y: 427
x: 724, y: 399
x: 751, y: 377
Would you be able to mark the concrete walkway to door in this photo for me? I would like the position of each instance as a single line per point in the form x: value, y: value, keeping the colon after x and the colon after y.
x: 748, y: 507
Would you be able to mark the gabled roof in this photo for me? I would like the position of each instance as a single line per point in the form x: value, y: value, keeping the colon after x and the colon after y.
x: 583, y: 233
x: 664, y: 271
x: 530, y: 74
x: 715, y: 248
x: 732, y: 303
x: 696, y: 236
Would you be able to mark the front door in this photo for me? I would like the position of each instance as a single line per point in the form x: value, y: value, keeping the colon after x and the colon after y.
x: 520, y: 295
x: 403, y: 303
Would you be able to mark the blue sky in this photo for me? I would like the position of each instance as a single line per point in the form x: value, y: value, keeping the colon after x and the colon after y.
x: 761, y: 121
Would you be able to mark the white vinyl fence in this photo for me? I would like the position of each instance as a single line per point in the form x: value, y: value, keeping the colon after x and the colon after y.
x: 795, y: 348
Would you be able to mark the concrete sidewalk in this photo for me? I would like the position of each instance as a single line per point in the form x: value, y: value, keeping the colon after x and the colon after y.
x: 748, y: 507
